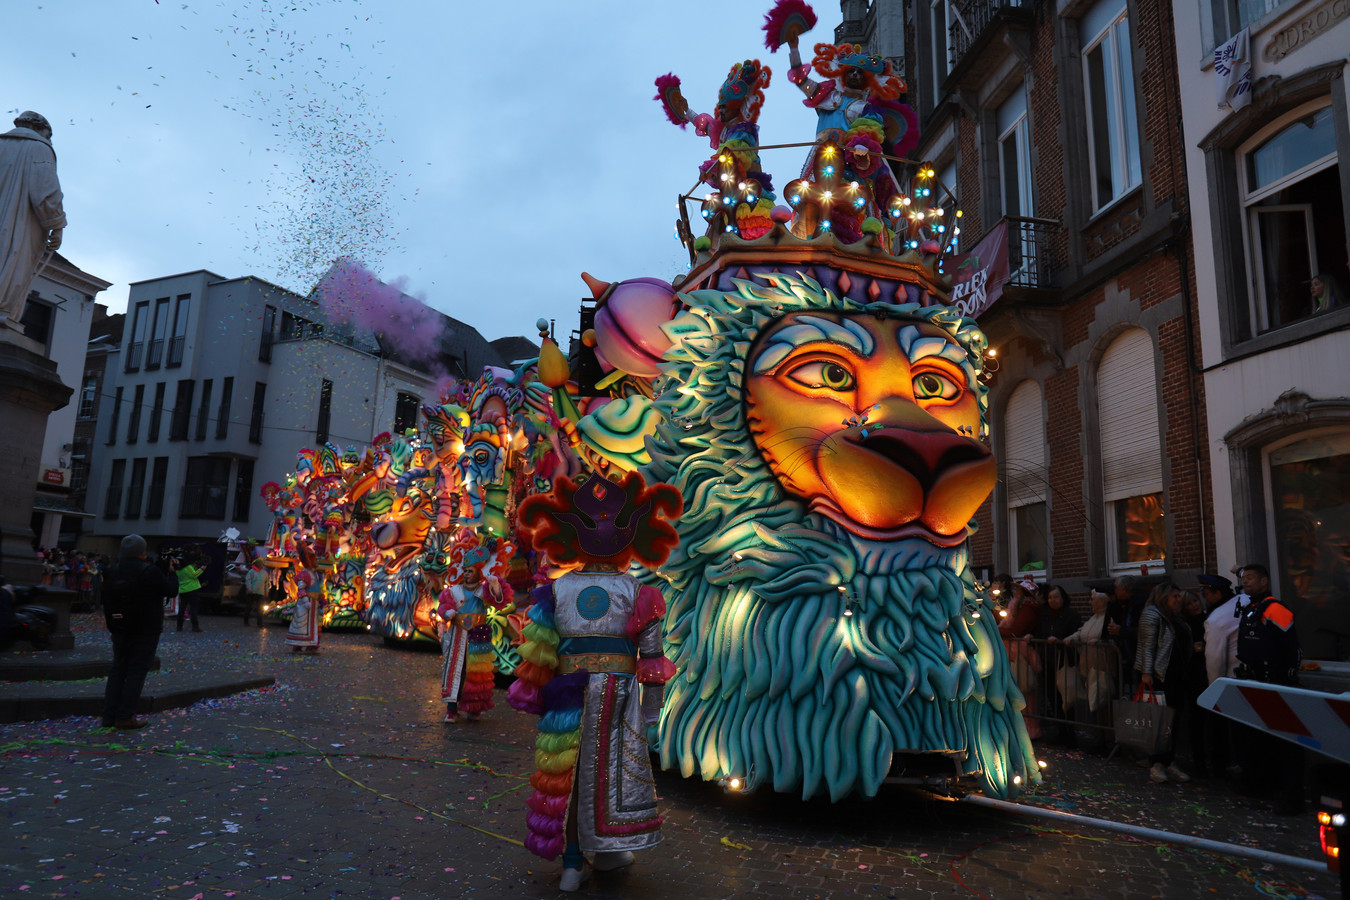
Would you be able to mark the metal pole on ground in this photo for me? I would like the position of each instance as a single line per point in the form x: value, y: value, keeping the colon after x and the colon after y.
x: 1181, y: 840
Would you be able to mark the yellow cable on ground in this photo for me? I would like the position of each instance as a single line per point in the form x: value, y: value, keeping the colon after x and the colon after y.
x: 365, y: 787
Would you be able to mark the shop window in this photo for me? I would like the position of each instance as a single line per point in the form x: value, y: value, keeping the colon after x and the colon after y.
x: 1131, y: 453
x: 206, y: 487
x: 1294, y: 219
x: 1310, y: 508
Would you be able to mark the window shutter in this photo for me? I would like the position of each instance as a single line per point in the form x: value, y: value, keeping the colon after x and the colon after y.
x: 1024, y: 445
x: 1127, y: 408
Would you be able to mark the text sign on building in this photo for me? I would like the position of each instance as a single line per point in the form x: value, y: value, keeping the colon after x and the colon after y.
x: 54, y: 476
x: 978, y: 276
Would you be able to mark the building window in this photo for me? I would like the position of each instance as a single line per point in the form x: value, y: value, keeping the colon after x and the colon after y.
x: 255, y: 423
x: 136, y: 343
x: 159, y: 326
x: 182, y: 309
x: 1294, y: 218
x: 269, y: 324
x: 405, y: 413
x: 156, y: 413
x: 159, y: 476
x: 79, y: 467
x: 204, y: 410
x: 1131, y: 452
x: 134, y: 419
x: 182, y: 410
x: 112, y: 503
x: 116, y: 416
x: 38, y: 319
x: 89, y: 397
x: 1231, y: 16
x: 205, y: 487
x: 223, y: 414
x: 1026, y: 479
x: 136, y: 488
x: 940, y: 21
x: 1113, y: 122
x: 1310, y: 505
x: 325, y: 411
x: 243, y: 490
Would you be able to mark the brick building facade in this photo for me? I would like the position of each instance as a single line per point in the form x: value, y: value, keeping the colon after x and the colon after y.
x: 1062, y: 126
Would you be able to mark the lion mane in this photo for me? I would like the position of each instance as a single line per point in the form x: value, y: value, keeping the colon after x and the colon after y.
x: 807, y: 655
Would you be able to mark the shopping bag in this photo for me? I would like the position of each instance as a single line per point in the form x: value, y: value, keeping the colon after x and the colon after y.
x: 1144, y: 723
x: 1070, y: 685
x: 171, y: 606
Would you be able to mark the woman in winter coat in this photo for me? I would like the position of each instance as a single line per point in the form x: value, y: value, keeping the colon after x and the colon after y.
x: 1162, y: 659
x: 1054, y: 623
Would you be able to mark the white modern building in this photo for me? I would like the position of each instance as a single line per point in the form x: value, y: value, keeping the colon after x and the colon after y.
x: 217, y: 385
x: 1269, y: 183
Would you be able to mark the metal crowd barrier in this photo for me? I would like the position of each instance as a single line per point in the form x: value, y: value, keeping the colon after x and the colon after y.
x: 1069, y: 685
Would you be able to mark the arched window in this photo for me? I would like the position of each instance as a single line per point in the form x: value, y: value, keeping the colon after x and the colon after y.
x: 1025, y: 478
x: 1131, y: 452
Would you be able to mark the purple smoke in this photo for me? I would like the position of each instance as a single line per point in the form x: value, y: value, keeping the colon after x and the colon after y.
x: 352, y: 293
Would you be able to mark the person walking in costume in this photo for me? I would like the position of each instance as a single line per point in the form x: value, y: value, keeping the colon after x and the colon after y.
x: 303, y: 633
x: 466, y: 637
x: 593, y: 665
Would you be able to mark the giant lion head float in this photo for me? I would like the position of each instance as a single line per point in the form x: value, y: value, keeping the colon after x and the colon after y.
x: 822, y: 614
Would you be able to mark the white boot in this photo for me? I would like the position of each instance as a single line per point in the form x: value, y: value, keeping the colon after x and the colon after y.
x: 1157, y: 775
x: 609, y: 860
x: 571, y: 880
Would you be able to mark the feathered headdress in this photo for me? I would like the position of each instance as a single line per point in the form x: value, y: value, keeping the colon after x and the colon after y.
x: 788, y: 19
x: 672, y: 101
x: 832, y: 59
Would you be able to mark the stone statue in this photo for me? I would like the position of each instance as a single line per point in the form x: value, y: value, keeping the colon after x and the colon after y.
x: 31, y: 217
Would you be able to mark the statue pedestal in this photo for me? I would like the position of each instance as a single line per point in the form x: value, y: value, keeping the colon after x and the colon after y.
x: 29, y: 391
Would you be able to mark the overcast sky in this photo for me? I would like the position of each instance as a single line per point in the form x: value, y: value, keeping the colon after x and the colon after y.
x: 484, y: 152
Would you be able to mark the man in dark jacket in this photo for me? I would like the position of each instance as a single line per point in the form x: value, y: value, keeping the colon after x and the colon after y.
x: 133, y: 607
x: 1122, y: 615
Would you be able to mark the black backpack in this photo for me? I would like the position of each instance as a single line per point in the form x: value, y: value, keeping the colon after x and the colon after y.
x: 119, y: 594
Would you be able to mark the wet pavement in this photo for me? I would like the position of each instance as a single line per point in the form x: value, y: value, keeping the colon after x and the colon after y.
x: 341, y: 780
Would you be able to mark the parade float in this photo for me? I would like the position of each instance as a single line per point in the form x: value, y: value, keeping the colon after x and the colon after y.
x: 819, y: 406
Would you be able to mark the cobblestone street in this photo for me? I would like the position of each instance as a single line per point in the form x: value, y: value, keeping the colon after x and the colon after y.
x: 341, y: 781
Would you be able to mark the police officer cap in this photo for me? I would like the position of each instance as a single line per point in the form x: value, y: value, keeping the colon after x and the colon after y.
x: 1215, y: 581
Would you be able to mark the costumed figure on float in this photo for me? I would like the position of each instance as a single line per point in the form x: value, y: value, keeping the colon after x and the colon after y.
x: 847, y: 186
x: 594, y: 668
x: 467, y: 664
x: 742, y: 194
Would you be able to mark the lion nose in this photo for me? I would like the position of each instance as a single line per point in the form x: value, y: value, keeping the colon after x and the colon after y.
x: 924, y: 454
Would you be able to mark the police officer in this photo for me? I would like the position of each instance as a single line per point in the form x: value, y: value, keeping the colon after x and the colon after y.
x: 1267, y: 643
x: 1269, y: 651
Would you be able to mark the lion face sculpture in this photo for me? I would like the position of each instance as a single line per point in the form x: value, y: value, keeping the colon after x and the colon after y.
x: 822, y: 616
x: 867, y: 419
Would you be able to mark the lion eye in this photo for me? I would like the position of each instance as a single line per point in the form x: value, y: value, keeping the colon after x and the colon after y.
x: 931, y: 386
x: 823, y: 375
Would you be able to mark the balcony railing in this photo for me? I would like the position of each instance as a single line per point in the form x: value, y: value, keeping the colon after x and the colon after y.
x: 972, y: 18
x: 1031, y: 251
x: 175, y: 353
x: 154, y: 354
x: 134, y: 356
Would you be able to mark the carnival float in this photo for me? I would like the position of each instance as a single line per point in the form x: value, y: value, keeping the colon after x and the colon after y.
x: 819, y: 407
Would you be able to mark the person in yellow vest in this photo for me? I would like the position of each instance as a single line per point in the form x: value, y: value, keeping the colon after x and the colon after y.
x: 189, y: 585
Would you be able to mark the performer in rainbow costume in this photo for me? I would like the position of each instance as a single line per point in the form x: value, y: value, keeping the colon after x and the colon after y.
x: 594, y: 637
x: 466, y: 636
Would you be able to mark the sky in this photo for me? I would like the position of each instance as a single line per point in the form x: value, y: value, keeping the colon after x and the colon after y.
x: 479, y: 156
